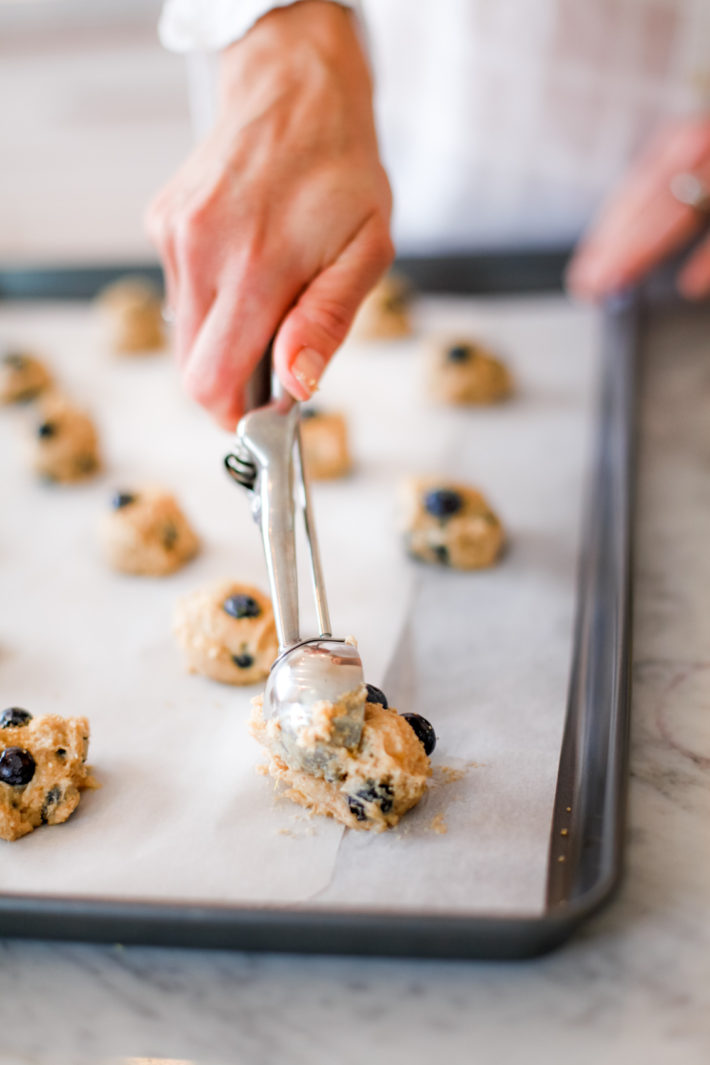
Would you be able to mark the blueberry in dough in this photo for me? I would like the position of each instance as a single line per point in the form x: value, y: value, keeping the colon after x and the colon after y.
x: 356, y: 809
x: 45, y: 430
x: 443, y: 502
x: 170, y: 535
x: 15, y: 360
x: 14, y: 717
x: 376, y: 791
x: 17, y: 766
x: 309, y: 412
x: 51, y: 799
x: 459, y: 353
x: 376, y: 695
x: 241, y: 606
x: 243, y: 661
x: 122, y: 499
x: 423, y: 730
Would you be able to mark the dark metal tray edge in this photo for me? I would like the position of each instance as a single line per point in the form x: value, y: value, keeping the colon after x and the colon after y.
x: 586, y: 841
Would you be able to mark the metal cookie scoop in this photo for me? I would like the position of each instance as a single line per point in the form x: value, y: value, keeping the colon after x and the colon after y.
x: 311, y: 676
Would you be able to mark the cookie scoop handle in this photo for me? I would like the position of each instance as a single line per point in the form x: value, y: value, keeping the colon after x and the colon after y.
x: 267, y: 435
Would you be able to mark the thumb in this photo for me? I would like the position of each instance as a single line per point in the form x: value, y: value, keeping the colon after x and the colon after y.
x: 316, y: 326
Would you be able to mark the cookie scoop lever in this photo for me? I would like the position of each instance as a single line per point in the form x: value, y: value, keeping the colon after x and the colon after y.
x: 315, y: 695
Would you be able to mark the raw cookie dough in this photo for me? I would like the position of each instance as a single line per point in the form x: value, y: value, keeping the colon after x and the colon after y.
x: 385, y: 311
x: 465, y: 372
x: 145, y: 532
x: 65, y: 444
x: 325, y: 444
x: 371, y: 787
x: 42, y: 768
x: 22, y: 377
x: 449, y: 523
x: 227, y: 632
x: 132, y: 310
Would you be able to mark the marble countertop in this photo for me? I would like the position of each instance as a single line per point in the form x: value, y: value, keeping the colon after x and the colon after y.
x: 632, y: 987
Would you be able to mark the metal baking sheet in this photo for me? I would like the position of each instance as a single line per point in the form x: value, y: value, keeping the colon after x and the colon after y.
x: 584, y: 844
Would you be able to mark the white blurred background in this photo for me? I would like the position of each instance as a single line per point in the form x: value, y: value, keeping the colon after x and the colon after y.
x: 93, y: 119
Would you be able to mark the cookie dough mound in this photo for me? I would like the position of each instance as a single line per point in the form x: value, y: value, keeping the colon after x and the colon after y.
x: 227, y: 632
x: 465, y: 372
x: 325, y: 444
x: 146, y: 533
x: 65, y: 443
x: 373, y: 786
x: 132, y: 310
x: 42, y: 769
x: 448, y: 523
x: 22, y: 377
x: 385, y: 313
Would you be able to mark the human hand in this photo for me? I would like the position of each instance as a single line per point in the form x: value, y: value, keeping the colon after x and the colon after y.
x: 644, y: 222
x: 278, y: 224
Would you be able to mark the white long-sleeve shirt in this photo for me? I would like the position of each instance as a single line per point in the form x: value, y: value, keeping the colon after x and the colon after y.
x: 504, y: 122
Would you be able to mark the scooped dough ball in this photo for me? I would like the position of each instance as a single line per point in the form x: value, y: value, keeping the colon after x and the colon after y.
x: 463, y: 371
x: 65, y: 443
x: 374, y: 785
x: 145, y: 532
x: 448, y: 523
x: 325, y: 444
x: 22, y: 377
x: 42, y: 769
x: 385, y: 313
x: 132, y: 310
x: 227, y: 632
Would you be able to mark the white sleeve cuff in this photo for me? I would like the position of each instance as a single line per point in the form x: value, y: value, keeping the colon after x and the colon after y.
x: 209, y: 25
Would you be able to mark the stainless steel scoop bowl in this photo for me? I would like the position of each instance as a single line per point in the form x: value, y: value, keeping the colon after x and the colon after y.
x: 268, y: 461
x: 310, y: 673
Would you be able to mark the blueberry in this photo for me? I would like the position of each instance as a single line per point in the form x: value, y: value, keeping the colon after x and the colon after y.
x: 442, y: 554
x: 46, y: 429
x: 356, y: 809
x: 85, y: 463
x: 15, y: 717
x: 309, y: 412
x: 375, y: 791
x: 61, y: 752
x: 375, y: 695
x: 15, y: 360
x: 422, y: 730
x: 241, y: 606
x: 443, y: 502
x: 459, y: 353
x: 17, y: 766
x: 122, y: 499
x: 170, y: 535
x: 51, y: 799
x: 243, y: 661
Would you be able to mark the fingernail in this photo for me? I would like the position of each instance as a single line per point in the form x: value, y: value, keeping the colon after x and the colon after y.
x: 307, y: 368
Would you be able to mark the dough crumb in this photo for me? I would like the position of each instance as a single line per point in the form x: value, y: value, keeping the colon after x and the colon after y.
x: 132, y: 312
x: 448, y: 523
x: 385, y: 313
x: 42, y: 770
x: 438, y: 824
x: 227, y: 632
x: 463, y: 371
x: 324, y: 438
x: 64, y: 446
x: 144, y: 532
x: 23, y: 376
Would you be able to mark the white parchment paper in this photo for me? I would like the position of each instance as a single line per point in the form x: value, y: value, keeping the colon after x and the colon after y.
x: 182, y: 813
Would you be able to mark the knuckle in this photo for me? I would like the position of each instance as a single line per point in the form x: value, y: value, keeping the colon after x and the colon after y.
x: 334, y: 318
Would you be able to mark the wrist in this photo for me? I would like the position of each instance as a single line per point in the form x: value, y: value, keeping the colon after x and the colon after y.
x: 295, y: 43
